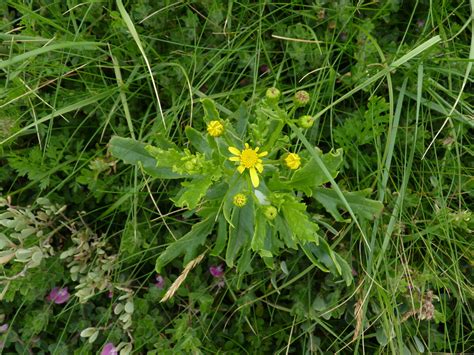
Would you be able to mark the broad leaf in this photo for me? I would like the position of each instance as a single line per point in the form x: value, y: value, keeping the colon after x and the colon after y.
x: 198, y: 140
x: 322, y: 254
x: 210, y: 110
x: 133, y: 152
x: 360, y: 204
x: 165, y: 158
x: 302, y: 228
x: 221, y: 236
x: 260, y: 235
x: 310, y: 175
x: 240, y: 232
x: 188, y: 244
x: 192, y: 192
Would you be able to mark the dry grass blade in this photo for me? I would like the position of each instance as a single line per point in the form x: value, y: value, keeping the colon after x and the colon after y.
x: 177, y: 283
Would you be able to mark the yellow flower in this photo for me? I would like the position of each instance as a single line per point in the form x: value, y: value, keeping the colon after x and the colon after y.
x: 293, y: 161
x: 240, y: 200
x: 215, y: 128
x: 249, y: 159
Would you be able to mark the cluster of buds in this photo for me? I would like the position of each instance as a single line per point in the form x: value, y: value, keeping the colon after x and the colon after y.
x: 190, y: 163
x: 301, y: 99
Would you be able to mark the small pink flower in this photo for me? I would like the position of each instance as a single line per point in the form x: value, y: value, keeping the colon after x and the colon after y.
x: 160, y: 281
x: 217, y: 271
x: 110, y: 294
x: 3, y: 328
x: 58, y: 295
x: 109, y: 349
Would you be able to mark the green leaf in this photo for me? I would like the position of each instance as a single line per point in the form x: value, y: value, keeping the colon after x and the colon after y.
x: 221, y: 236
x: 165, y: 158
x: 131, y: 239
x: 302, y: 228
x: 285, y: 233
x: 310, y: 175
x: 188, y: 244
x: 322, y: 254
x: 81, y: 46
x: 237, y: 184
x: 192, y: 192
x: 357, y: 200
x: 240, y: 232
x: 210, y: 111
x: 133, y: 152
x: 259, y: 235
x: 198, y: 140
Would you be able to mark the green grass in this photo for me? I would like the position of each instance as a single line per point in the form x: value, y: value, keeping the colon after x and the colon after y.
x: 390, y: 85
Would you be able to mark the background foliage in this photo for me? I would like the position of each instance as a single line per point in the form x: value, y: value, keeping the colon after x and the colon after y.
x: 384, y: 87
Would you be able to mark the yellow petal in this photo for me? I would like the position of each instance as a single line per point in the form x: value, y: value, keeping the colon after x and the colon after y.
x: 263, y: 154
x: 234, y: 150
x: 254, y: 177
x: 241, y: 169
x: 234, y: 159
x: 247, y: 146
x: 259, y: 167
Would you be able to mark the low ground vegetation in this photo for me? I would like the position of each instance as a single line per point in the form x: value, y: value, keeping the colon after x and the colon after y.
x: 226, y: 177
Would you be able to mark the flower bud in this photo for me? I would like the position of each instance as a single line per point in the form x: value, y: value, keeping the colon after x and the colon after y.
x: 270, y: 213
x: 306, y: 121
x: 215, y: 128
x: 273, y: 95
x: 293, y: 161
x: 301, y: 98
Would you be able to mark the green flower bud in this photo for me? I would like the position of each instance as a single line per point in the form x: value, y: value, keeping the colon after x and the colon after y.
x: 306, y: 121
x: 270, y: 213
x: 301, y: 98
x: 273, y: 95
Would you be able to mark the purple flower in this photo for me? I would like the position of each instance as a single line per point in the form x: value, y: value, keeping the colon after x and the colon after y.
x: 3, y: 328
x: 217, y: 271
x: 160, y: 281
x: 58, y: 295
x: 109, y: 349
x: 110, y: 294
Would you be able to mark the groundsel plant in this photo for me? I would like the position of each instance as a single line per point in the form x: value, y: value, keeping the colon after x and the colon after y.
x: 245, y: 176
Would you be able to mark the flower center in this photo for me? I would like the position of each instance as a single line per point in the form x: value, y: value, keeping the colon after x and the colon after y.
x: 249, y: 158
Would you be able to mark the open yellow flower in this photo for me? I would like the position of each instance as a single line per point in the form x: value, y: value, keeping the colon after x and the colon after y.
x: 249, y: 159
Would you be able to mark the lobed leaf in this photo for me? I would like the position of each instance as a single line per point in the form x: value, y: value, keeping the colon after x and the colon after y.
x: 188, y: 244
x: 362, y: 206
x: 133, y: 152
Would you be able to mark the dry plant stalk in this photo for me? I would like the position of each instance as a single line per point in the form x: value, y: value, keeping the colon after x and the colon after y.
x: 177, y: 283
x: 358, y: 316
x: 358, y: 311
x: 426, y: 311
